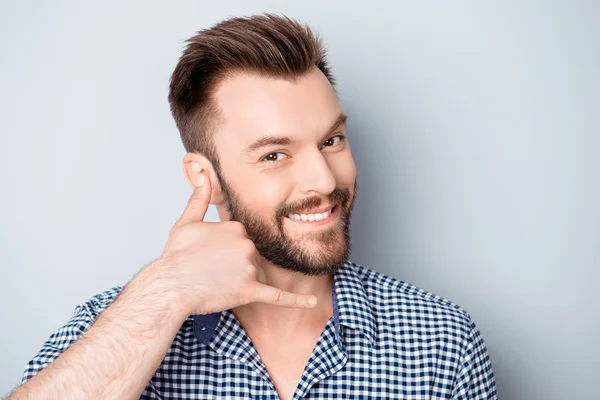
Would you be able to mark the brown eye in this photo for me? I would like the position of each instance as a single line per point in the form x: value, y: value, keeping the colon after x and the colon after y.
x: 274, y: 157
x: 332, y: 142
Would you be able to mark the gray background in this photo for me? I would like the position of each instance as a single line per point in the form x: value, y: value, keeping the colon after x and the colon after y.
x: 474, y: 126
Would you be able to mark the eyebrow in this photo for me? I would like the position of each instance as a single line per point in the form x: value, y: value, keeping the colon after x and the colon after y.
x: 271, y: 140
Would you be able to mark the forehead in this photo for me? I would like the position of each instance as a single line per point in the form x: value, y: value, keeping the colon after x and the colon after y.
x: 251, y: 106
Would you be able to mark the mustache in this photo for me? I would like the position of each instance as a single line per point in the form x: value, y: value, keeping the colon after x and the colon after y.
x: 338, y: 196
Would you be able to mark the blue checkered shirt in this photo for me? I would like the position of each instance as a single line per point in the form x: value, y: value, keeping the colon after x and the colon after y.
x: 386, y: 339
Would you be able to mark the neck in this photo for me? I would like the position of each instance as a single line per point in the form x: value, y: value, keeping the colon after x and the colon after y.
x: 284, y: 322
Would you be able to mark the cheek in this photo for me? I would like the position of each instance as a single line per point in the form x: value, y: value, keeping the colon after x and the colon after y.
x: 344, y: 170
x: 267, y: 194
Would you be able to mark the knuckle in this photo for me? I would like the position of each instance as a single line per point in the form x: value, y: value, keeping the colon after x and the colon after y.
x: 250, y: 269
x: 237, y: 227
x: 277, y: 295
x: 246, y: 247
x: 249, y: 246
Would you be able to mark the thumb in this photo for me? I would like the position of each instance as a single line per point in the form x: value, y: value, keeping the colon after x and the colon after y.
x: 196, y: 207
x: 278, y: 297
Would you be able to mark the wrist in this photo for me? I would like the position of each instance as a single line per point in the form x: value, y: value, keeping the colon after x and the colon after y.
x: 154, y: 285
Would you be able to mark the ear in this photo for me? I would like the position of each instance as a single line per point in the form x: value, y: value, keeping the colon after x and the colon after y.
x: 193, y: 164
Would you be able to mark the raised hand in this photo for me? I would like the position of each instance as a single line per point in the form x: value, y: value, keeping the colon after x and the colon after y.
x: 214, y: 265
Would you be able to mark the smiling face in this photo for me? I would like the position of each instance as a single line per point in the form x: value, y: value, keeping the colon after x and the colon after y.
x: 285, y: 168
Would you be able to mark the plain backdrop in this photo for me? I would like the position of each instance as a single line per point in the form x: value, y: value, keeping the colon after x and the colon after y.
x: 474, y: 126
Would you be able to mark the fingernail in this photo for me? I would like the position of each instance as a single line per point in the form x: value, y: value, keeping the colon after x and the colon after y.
x: 199, y: 180
x: 312, y: 301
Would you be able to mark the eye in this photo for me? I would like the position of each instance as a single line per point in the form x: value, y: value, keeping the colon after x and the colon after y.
x: 274, y: 157
x: 332, y: 142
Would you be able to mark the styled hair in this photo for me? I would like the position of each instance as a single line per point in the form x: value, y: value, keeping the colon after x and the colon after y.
x: 265, y: 44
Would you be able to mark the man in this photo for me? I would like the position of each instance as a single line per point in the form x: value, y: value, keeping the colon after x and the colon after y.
x: 265, y: 303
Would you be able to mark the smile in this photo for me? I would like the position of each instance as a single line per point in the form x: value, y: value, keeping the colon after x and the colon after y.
x: 316, y: 217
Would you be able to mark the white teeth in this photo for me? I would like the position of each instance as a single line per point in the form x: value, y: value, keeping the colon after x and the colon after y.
x: 310, y: 217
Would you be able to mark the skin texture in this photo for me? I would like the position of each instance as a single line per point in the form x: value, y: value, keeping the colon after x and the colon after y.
x: 210, y: 267
x: 302, y: 174
x: 311, y: 169
x: 314, y: 172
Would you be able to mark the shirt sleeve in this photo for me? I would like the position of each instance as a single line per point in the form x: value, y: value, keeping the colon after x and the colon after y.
x: 82, y: 319
x: 476, y: 378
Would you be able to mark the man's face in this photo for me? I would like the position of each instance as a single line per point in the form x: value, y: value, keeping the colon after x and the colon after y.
x: 284, y: 158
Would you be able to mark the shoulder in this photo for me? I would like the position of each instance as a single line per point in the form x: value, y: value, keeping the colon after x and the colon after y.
x: 99, y: 302
x: 395, y: 300
x: 83, y: 318
x: 427, y: 325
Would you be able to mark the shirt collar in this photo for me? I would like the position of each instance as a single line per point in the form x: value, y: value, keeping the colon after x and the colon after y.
x: 351, y: 308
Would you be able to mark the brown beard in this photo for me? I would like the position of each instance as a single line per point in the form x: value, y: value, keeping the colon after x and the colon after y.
x: 278, y: 248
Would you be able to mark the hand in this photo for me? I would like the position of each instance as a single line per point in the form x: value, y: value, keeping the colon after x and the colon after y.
x: 215, y: 266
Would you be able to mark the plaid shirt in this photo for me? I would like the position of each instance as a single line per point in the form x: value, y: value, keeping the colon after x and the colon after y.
x: 386, y: 339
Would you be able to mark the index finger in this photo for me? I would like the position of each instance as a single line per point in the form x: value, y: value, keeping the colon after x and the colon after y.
x: 196, y: 207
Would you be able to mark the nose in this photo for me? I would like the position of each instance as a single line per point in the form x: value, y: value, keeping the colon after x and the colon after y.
x: 316, y: 176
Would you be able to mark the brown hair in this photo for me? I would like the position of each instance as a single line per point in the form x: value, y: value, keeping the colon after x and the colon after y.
x: 266, y: 44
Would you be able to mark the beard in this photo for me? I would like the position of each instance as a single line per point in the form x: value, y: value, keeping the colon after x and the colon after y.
x: 324, y: 251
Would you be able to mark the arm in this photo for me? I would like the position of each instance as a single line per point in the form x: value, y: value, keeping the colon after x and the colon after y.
x: 119, y: 354
x: 205, y: 268
x: 476, y: 378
